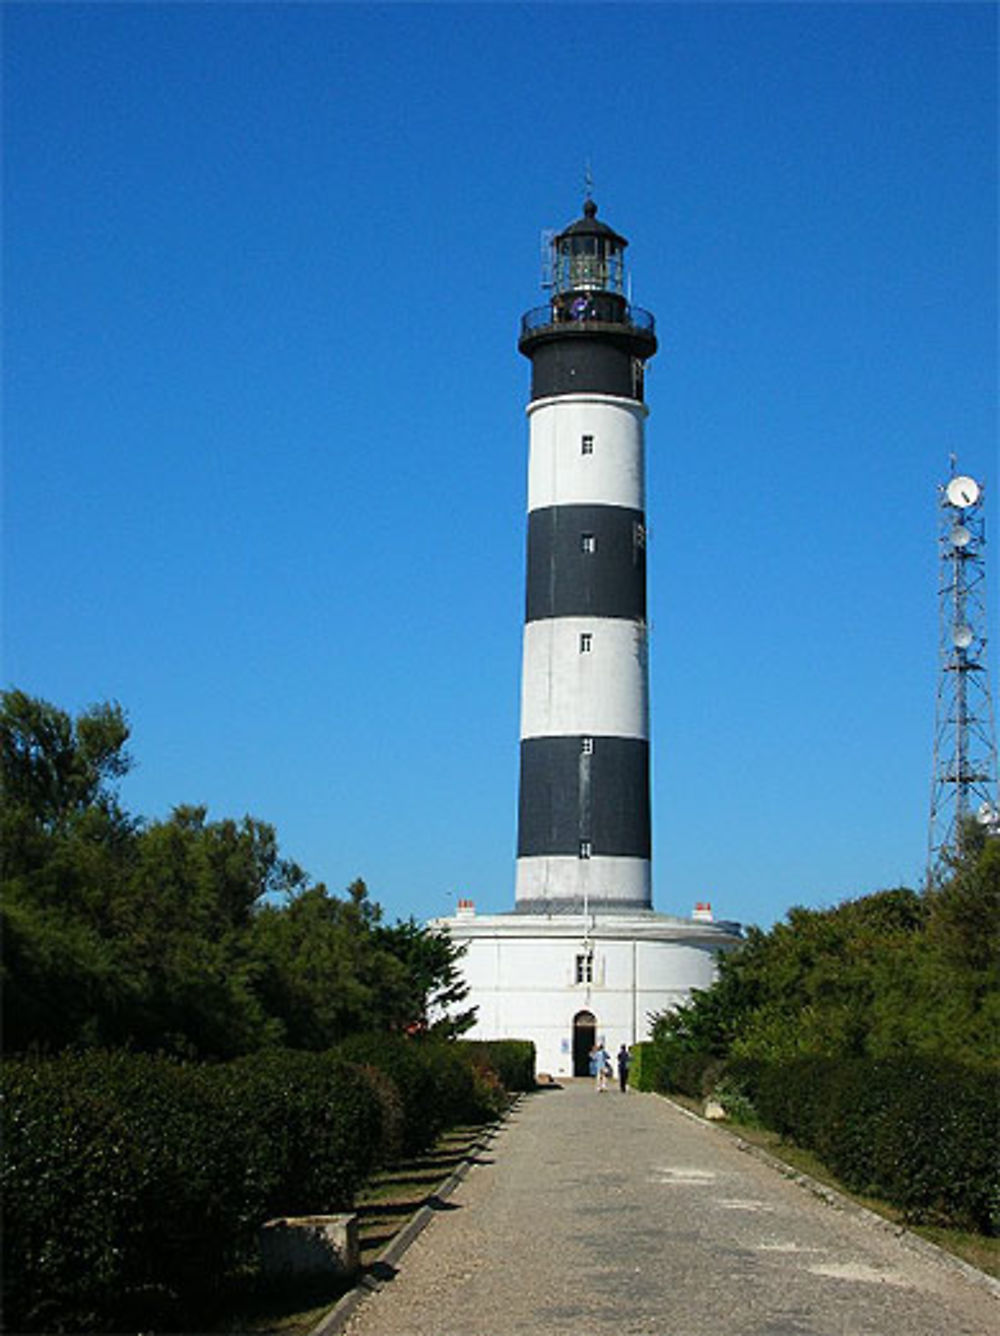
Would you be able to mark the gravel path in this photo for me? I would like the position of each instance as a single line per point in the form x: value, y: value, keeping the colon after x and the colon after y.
x: 616, y: 1213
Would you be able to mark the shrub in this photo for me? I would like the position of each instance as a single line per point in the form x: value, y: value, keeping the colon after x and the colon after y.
x: 692, y: 1074
x: 393, y: 1114
x: 513, y: 1060
x: 735, y: 1094
x: 920, y: 1132
x: 133, y: 1183
x: 100, y: 1156
x: 435, y: 1082
x: 646, y: 1071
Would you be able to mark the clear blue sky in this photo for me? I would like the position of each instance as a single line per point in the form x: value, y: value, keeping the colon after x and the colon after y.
x: 265, y: 446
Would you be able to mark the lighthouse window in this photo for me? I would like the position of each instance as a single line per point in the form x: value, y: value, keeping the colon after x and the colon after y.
x: 586, y: 640
x: 584, y: 848
x: 586, y: 445
x: 585, y: 968
x: 588, y: 542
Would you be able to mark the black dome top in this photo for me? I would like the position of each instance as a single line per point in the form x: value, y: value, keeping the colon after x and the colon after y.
x: 589, y: 226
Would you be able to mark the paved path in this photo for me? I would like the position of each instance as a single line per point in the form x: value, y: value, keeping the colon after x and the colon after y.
x: 616, y: 1213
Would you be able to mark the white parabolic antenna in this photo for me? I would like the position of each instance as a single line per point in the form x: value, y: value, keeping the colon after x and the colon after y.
x: 961, y: 637
x: 960, y: 536
x: 986, y: 814
x: 962, y: 491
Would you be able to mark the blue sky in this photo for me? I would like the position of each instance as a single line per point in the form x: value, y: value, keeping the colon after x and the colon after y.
x: 265, y: 444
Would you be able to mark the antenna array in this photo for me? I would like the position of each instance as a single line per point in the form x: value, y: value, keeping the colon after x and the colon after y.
x: 965, y: 755
x: 548, y: 258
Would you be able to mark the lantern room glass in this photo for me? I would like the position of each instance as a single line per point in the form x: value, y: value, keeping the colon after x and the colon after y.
x: 589, y: 263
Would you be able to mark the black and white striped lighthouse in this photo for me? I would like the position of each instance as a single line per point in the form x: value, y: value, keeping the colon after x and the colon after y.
x: 584, y: 811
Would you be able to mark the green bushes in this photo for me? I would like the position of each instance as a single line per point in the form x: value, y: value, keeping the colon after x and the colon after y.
x: 645, y: 1071
x: 691, y: 1074
x: 436, y: 1089
x: 919, y: 1132
x: 443, y: 1083
x: 132, y: 1184
x: 513, y: 1060
x: 867, y: 1033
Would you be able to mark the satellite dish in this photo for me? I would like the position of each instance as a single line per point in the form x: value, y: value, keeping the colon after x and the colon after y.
x: 962, y: 492
x: 986, y: 814
x: 961, y: 637
x: 960, y: 536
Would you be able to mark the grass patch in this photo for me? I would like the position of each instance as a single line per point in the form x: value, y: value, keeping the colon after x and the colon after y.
x: 976, y: 1249
x: 390, y: 1198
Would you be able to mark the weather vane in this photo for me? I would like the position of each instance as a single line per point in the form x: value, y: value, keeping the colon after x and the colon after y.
x: 588, y: 181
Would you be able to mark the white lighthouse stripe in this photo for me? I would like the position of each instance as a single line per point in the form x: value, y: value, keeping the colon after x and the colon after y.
x: 601, y: 690
x: 612, y: 473
x: 598, y: 880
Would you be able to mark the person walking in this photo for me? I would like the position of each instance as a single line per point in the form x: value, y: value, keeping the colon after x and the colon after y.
x: 624, y: 1062
x: 600, y: 1065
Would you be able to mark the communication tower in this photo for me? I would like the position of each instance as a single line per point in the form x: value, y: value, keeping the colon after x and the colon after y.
x: 965, y: 755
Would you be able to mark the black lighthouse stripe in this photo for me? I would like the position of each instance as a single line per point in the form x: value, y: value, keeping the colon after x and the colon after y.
x: 570, y: 365
x: 586, y: 561
x: 568, y: 796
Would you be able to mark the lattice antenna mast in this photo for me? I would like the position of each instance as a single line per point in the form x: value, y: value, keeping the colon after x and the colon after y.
x: 964, y: 783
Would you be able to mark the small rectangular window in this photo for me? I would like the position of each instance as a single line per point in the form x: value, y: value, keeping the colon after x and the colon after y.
x: 584, y: 848
x: 585, y: 968
x: 586, y: 640
x: 588, y: 542
x: 638, y: 535
x: 587, y: 746
x: 586, y: 445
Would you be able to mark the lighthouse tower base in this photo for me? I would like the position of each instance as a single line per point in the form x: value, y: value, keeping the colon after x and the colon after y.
x: 565, y: 981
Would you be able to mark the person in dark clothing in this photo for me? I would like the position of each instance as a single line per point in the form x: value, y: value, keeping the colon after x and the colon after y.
x: 624, y: 1061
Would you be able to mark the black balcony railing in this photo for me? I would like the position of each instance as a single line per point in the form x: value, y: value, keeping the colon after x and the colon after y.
x: 541, y: 317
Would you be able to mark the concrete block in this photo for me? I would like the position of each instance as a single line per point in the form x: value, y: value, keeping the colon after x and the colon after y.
x: 310, y: 1246
x: 714, y: 1110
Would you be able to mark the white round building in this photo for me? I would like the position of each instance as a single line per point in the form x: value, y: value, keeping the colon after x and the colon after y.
x: 583, y: 956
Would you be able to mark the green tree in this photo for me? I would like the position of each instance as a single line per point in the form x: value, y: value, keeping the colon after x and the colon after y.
x: 880, y: 976
x: 54, y: 767
x: 434, y: 981
x: 186, y: 935
x: 66, y: 844
x: 182, y: 928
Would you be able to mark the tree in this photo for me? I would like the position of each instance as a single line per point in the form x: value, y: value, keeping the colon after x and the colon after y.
x: 880, y: 976
x: 435, y: 983
x: 56, y: 767
x: 185, y: 934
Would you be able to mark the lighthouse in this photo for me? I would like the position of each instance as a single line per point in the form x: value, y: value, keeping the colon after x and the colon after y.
x: 583, y: 956
x: 583, y: 814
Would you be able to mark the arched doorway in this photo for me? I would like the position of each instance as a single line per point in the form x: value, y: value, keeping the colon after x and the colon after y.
x: 584, y: 1037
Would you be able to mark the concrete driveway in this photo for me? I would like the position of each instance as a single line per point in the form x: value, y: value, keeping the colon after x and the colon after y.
x: 618, y: 1213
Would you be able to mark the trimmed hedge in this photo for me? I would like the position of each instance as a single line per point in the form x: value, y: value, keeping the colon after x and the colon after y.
x: 513, y: 1060
x: 436, y: 1085
x: 132, y: 1183
x: 920, y: 1132
x: 644, y: 1072
x: 661, y: 1069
